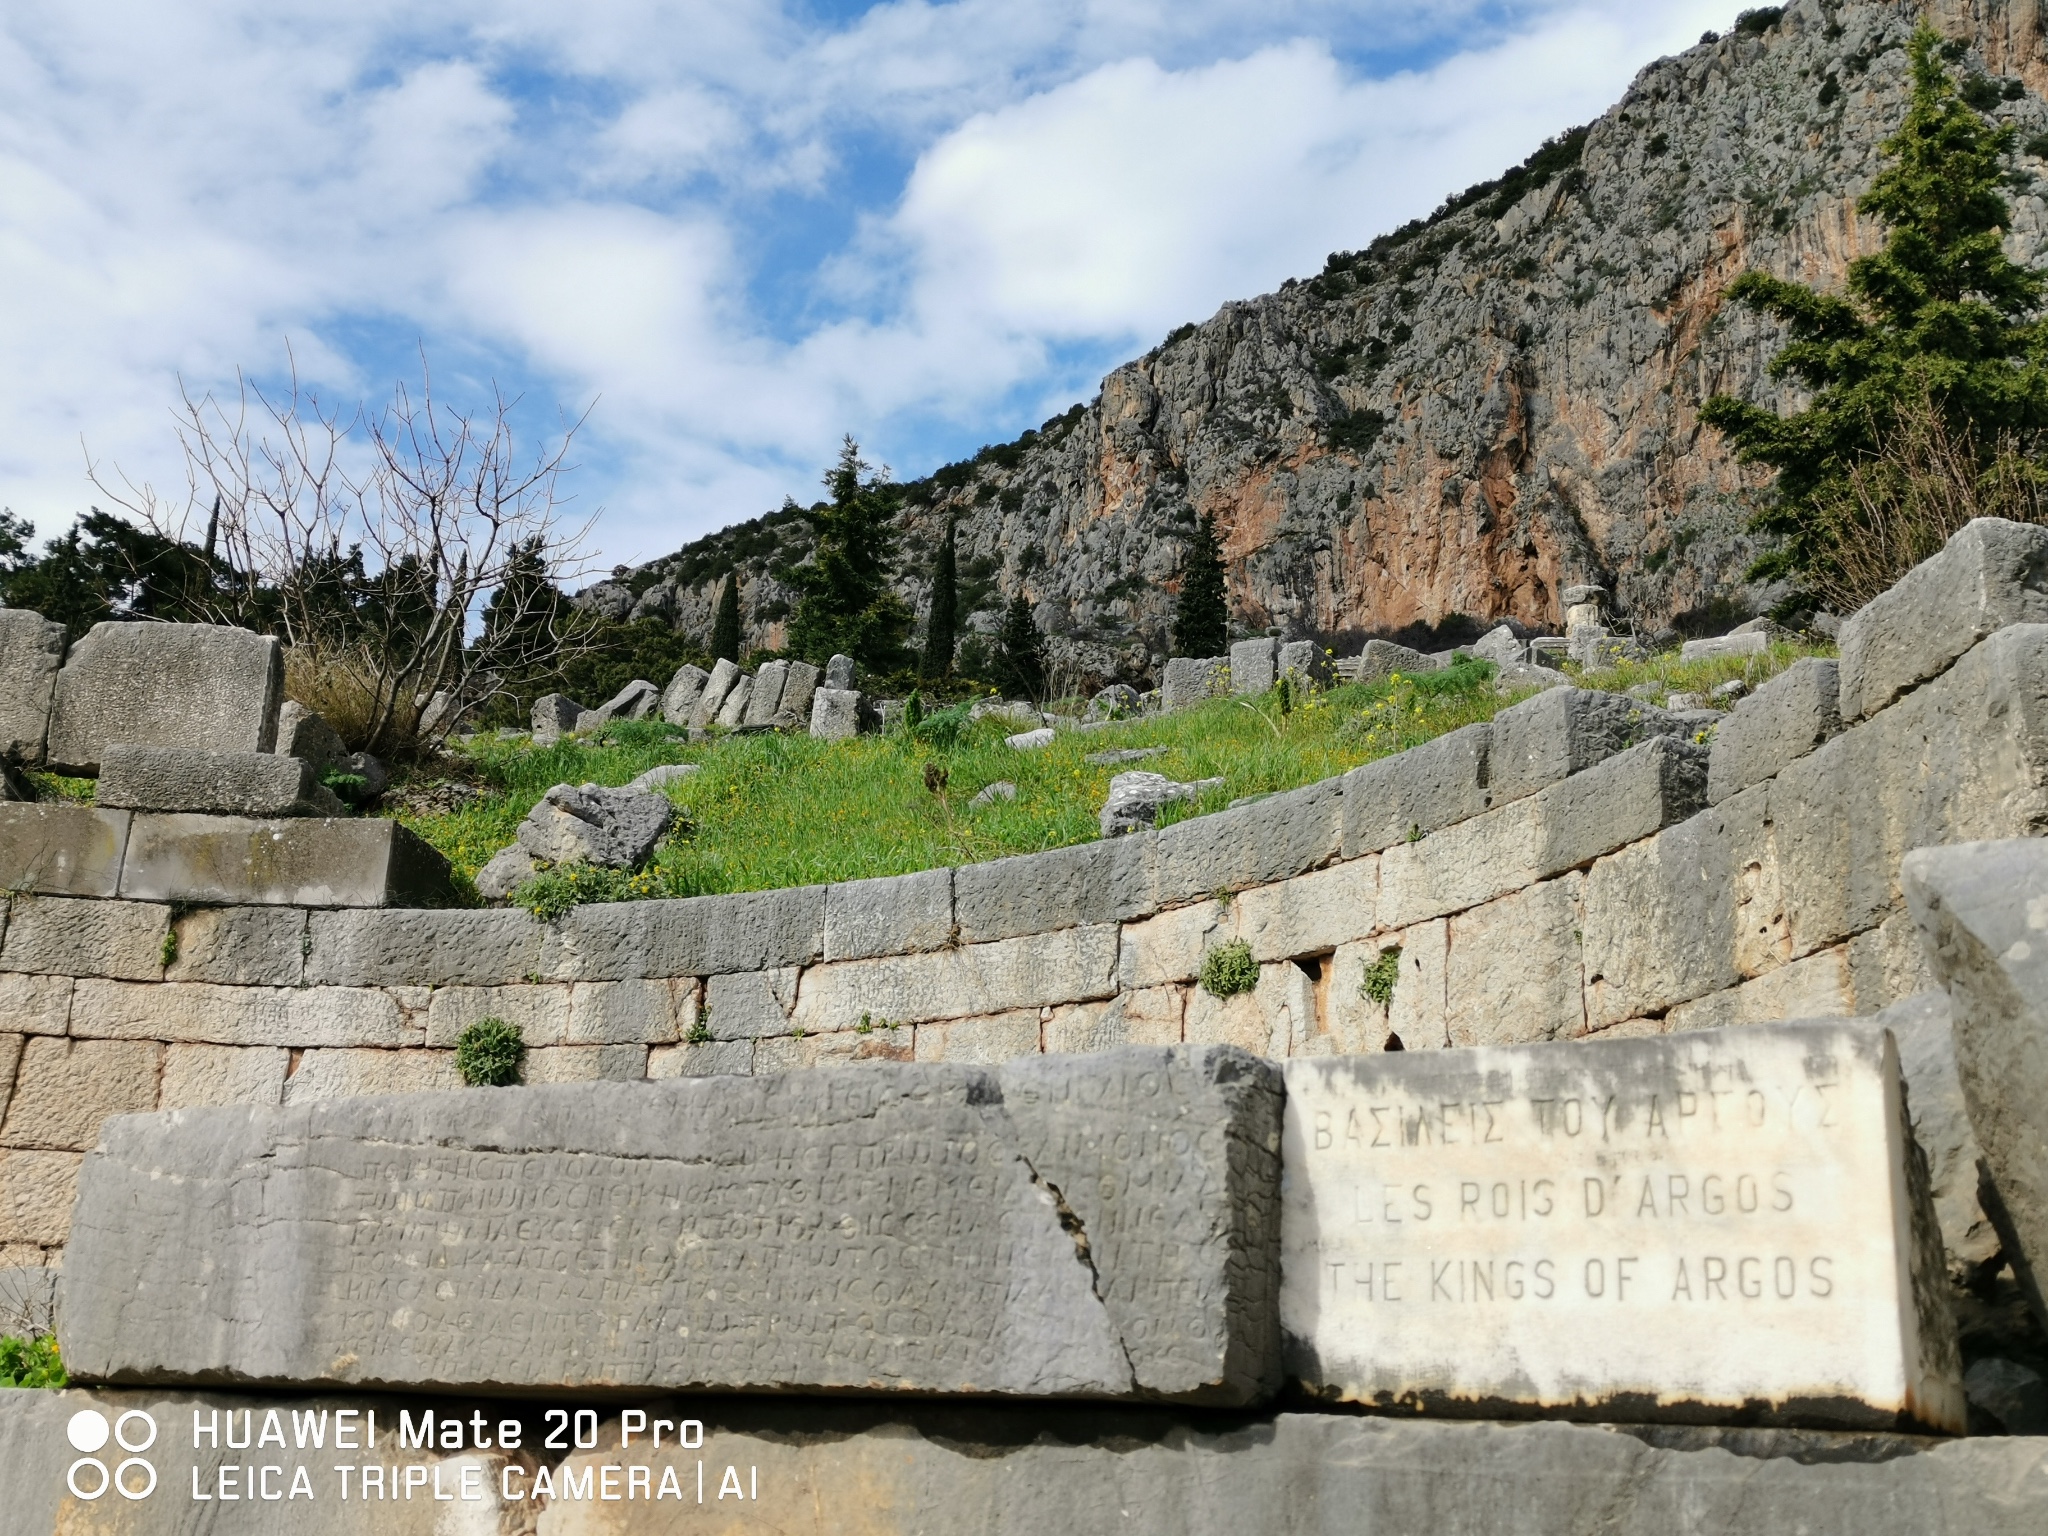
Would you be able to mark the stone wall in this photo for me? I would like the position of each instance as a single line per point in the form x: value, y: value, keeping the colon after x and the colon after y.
x: 1547, y: 877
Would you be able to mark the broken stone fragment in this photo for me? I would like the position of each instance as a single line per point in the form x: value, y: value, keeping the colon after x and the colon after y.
x: 1136, y: 798
x: 586, y: 824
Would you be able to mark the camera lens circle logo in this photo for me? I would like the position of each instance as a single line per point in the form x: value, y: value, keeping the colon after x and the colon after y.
x: 89, y: 1477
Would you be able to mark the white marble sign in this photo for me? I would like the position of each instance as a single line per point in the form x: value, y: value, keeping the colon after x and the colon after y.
x: 1721, y: 1225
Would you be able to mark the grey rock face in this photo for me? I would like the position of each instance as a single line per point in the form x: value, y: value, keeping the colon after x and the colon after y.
x: 2011, y: 1393
x: 840, y: 673
x: 31, y: 649
x: 723, y: 675
x: 224, y: 783
x: 585, y: 824
x: 1088, y: 1277
x: 1413, y: 793
x: 1990, y: 574
x: 1303, y: 662
x: 1030, y: 741
x: 1781, y: 722
x: 680, y: 697
x: 1135, y: 799
x: 1190, y: 680
x: 765, y: 697
x: 555, y: 716
x: 799, y: 687
x: 165, y: 685
x: 835, y: 714
x: 1253, y: 665
x: 308, y: 862
x: 1564, y: 731
x: 1983, y: 911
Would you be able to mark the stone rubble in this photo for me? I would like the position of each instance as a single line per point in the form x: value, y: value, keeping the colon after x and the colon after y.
x: 1136, y: 798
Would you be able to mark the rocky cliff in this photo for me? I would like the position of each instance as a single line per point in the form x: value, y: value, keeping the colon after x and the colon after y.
x: 1476, y: 410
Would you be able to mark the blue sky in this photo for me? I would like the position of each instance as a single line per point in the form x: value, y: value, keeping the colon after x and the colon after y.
x: 732, y: 231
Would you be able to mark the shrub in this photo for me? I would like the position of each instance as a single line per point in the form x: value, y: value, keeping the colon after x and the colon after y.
x: 31, y: 1362
x: 1229, y: 969
x: 1377, y: 984
x: 553, y: 892
x: 488, y: 1054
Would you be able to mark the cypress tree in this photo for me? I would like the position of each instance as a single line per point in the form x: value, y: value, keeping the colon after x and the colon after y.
x: 1201, y: 619
x: 1020, y: 658
x: 844, y: 601
x: 938, y: 625
x: 725, y: 624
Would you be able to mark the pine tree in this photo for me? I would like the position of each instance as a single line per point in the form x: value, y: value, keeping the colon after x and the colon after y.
x: 844, y: 602
x: 725, y: 623
x: 1201, y: 619
x: 1940, y: 318
x: 1020, y: 654
x: 939, y: 622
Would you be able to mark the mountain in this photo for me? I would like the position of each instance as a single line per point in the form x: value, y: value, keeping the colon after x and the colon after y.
x: 1476, y: 410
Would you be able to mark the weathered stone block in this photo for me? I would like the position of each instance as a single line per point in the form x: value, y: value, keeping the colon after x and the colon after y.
x: 1780, y: 723
x: 733, y: 712
x: 35, y: 1005
x: 1068, y: 966
x: 1416, y: 792
x: 1751, y: 643
x: 1252, y: 665
x: 196, y: 1076
x: 220, y: 783
x: 840, y: 1048
x: 1163, y: 1160
x: 31, y: 649
x: 1722, y: 1225
x: 680, y: 697
x: 1104, y: 882
x: 1270, y: 839
x: 698, y: 936
x: 629, y: 1012
x: 724, y: 674
x: 1169, y: 946
x: 422, y: 949
x: 766, y: 695
x: 1148, y: 1017
x: 895, y: 915
x: 70, y: 937
x: 303, y: 734
x: 1513, y: 971
x: 304, y: 863
x: 799, y: 687
x: 1311, y: 913
x: 63, y: 1089
x: 1272, y: 1019
x: 1382, y: 659
x: 751, y: 1004
x: 638, y: 700
x: 348, y: 1074
x: 836, y: 714
x: 165, y: 685
x: 1190, y: 680
x: 1563, y: 731
x: 1304, y: 663
x: 1990, y: 575
x: 541, y: 1013
x: 241, y: 946
x: 289, y: 1016
x: 980, y: 1042
x: 704, y: 1058
x: 555, y: 715
x: 37, y: 1190
x: 1984, y: 910
x: 10, y: 1058
x: 1814, y: 987
x: 62, y: 850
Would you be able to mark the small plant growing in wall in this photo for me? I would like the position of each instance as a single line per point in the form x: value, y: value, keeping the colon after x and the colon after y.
x: 30, y: 1362
x: 1377, y: 984
x: 489, y: 1053
x: 1229, y: 969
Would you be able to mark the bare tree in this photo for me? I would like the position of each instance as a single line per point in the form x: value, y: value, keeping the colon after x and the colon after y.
x: 369, y: 541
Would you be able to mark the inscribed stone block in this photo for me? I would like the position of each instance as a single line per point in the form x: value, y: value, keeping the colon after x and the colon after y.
x: 749, y: 1004
x: 322, y: 862
x: 63, y: 1089
x: 1168, y: 947
x: 1270, y: 839
x: 627, y: 1012
x: 540, y: 1013
x: 704, y: 1058
x: 1148, y: 1017
x: 61, y: 850
x: 893, y: 915
x: 1723, y: 1225
x: 1812, y: 987
x: 75, y: 937
x: 202, y: 1013
x: 980, y: 1042
x: 31, y: 648
x: 200, y: 1075
x: 165, y: 685
x: 1416, y: 792
x: 1310, y: 913
x: 970, y: 1192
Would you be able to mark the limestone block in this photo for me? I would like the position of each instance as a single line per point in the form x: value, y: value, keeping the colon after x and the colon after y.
x: 1148, y: 1017
x: 10, y: 1058
x: 37, y: 1190
x: 680, y: 697
x: 973, y: 1189
x: 840, y: 672
x: 836, y: 714
x: 240, y: 861
x: 430, y: 949
x: 1102, y: 882
x: 1780, y: 723
x: 799, y: 688
x: 1720, y: 1225
x: 1563, y: 731
x: 980, y: 1042
x: 1350, y: 1022
x: 589, y: 824
x: 638, y: 700
x: 1311, y: 913
x: 62, y: 850
x: 201, y: 1075
x: 349, y: 1073
x: 1416, y: 792
x: 562, y: 1064
x: 1814, y: 987
x: 71, y: 937
x: 1983, y: 908
x: 724, y: 674
x: 1753, y: 643
x: 213, y: 1015
x: 630, y: 1012
x: 31, y: 649
x: 303, y: 734
x: 733, y: 712
x: 63, y: 1089
x: 894, y: 915
x: 1502, y: 647
x: 1169, y: 946
x: 1070, y: 966
x: 35, y: 1005
x: 751, y: 1004
x: 1991, y: 574
x: 1270, y: 839
x: 555, y: 715
x: 840, y: 1048
x: 1253, y: 665
x: 766, y: 695
x: 1190, y: 680
x: 220, y: 783
x: 1682, y: 914
x: 708, y: 1058
x: 1266, y: 1021
x: 165, y: 685
x: 1962, y: 758
x: 1513, y: 972
x: 1304, y: 663
x: 241, y: 946
x: 1383, y: 659
x: 1419, y: 1015
x: 1887, y: 964
x: 697, y: 936
x: 541, y: 1013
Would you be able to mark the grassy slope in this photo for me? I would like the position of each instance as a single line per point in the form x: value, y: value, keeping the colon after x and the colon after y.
x: 786, y: 810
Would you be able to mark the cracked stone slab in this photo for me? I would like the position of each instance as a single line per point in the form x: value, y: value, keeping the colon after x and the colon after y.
x: 1095, y: 1226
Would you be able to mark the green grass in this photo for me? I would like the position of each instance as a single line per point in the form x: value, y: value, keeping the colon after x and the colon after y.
x: 1676, y: 676
x: 781, y: 810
